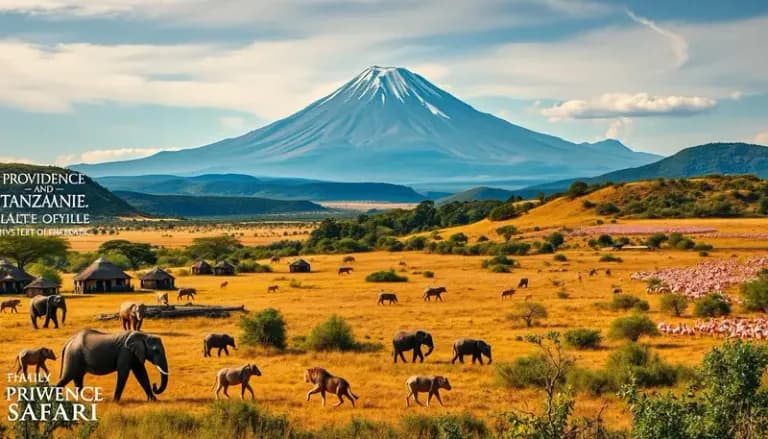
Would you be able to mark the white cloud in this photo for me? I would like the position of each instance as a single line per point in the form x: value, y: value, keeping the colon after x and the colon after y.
x: 108, y: 155
x: 761, y: 138
x: 678, y: 44
x: 14, y: 159
x: 232, y: 122
x: 612, y: 105
x: 619, y: 129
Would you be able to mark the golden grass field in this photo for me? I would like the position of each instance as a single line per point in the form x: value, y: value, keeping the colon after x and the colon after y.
x: 472, y: 308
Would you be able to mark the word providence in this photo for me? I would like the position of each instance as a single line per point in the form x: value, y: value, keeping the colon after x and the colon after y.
x: 42, y: 179
x: 45, y: 403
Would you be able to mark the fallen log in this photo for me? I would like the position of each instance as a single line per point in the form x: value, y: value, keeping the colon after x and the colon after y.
x: 176, y: 311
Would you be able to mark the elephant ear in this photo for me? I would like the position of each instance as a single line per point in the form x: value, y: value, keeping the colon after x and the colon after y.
x: 135, y: 343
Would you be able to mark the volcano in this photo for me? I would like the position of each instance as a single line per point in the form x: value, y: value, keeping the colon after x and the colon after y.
x: 392, y: 125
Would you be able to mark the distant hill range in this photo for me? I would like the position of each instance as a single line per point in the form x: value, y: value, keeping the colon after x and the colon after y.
x: 101, y: 202
x: 186, y: 206
x: 274, y: 188
x: 388, y: 124
x: 696, y: 161
x: 479, y: 194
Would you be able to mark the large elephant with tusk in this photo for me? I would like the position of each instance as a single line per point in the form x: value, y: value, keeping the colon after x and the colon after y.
x: 100, y: 353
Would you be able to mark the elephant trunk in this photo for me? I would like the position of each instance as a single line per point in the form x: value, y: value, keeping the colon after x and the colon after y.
x: 431, y: 348
x: 162, y: 367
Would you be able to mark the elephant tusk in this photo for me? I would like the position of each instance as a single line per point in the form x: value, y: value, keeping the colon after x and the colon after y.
x: 160, y: 369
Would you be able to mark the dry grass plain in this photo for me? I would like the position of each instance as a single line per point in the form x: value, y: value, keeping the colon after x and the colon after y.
x: 472, y: 308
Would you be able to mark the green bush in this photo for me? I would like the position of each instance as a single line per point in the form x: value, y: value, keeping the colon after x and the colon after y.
x: 607, y: 209
x: 265, y: 328
x: 636, y: 361
x: 507, y: 231
x: 591, y: 382
x: 712, y: 305
x: 626, y: 301
x: 385, y: 276
x: 449, y: 426
x: 428, y: 274
x: 583, y: 338
x: 503, y: 212
x: 546, y: 248
x: 655, y: 240
x: 560, y: 257
x: 335, y: 334
x: 610, y: 258
x: 674, y: 304
x: 251, y: 266
x: 755, y: 294
x: 701, y: 247
x: 632, y: 327
x: 524, y: 372
x: 46, y: 272
x: 529, y: 312
x: 500, y: 264
x: 685, y: 244
x: 562, y: 294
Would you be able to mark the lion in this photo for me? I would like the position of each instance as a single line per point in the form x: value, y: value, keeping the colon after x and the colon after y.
x: 324, y: 381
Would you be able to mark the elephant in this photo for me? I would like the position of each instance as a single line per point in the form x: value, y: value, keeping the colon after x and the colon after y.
x: 34, y: 357
x: 405, y: 341
x: 390, y: 297
x: 431, y: 384
x: 220, y: 341
x: 324, y: 381
x: 100, y: 353
x: 475, y: 348
x: 132, y: 315
x: 46, y: 306
x: 189, y: 293
x: 231, y: 377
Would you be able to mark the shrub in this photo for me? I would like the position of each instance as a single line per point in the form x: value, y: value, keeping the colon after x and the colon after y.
x: 636, y: 361
x: 755, y: 294
x: 335, y: 334
x: 385, y: 276
x: 607, y: 209
x: 610, y: 258
x: 626, y: 301
x: 701, y: 247
x: 546, y: 248
x: 463, y: 426
x: 250, y: 266
x: 592, y: 382
x: 685, y: 244
x: 556, y: 239
x: 577, y: 189
x: 503, y: 212
x: 428, y: 274
x: 529, y: 312
x: 605, y: 240
x: 46, y: 272
x: 588, y: 204
x: 265, y: 328
x: 529, y: 371
x: 562, y: 294
x: 632, y: 327
x: 712, y: 305
x: 583, y: 338
x: 674, y: 304
x: 500, y: 264
x: 507, y: 231
x: 560, y: 257
x: 655, y: 240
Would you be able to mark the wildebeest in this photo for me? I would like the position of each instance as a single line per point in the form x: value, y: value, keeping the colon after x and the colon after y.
x: 345, y: 270
x: 607, y: 271
x: 272, y: 288
x: 434, y: 292
x: 616, y: 290
x: 523, y: 283
x: 275, y: 259
x: 592, y: 272
x: 507, y: 293
x: 12, y: 304
x: 224, y: 284
x: 403, y: 264
x: 348, y: 259
x: 391, y: 297
x: 189, y: 293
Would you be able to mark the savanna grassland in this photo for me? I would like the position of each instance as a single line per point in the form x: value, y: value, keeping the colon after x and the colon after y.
x: 472, y: 308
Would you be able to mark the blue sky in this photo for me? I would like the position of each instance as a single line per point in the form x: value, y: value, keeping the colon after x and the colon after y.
x: 92, y: 81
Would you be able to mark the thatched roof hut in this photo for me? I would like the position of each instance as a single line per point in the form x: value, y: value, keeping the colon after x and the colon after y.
x: 101, y: 277
x: 201, y: 267
x: 41, y: 287
x: 300, y: 266
x: 158, y: 279
x: 12, y: 278
x: 224, y: 268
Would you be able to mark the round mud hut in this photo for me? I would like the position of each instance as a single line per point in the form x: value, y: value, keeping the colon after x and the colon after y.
x: 41, y: 287
x: 223, y: 268
x: 300, y: 266
x: 158, y: 279
x: 12, y: 278
x: 102, y: 277
x: 201, y: 267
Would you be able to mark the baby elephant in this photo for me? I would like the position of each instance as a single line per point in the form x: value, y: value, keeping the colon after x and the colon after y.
x: 325, y: 382
x: 36, y: 357
x: 232, y: 377
x: 132, y: 315
x: 220, y: 341
x: 475, y: 348
x: 431, y: 384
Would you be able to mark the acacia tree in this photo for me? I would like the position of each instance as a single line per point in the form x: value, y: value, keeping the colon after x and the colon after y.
x: 27, y: 249
x: 529, y: 312
x: 214, y: 247
x: 137, y: 253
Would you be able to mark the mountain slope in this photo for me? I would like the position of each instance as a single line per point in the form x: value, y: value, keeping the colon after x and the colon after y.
x: 479, y: 193
x: 712, y: 158
x: 245, y: 185
x: 206, y: 206
x: 102, y: 204
x: 387, y: 124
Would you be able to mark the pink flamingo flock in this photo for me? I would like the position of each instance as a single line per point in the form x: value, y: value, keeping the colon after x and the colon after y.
x: 756, y: 329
